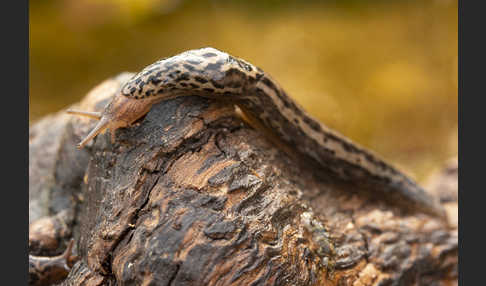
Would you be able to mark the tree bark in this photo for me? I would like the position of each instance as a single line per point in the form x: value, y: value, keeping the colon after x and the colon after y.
x: 192, y: 195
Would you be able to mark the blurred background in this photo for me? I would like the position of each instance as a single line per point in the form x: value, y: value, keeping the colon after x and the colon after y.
x: 383, y: 73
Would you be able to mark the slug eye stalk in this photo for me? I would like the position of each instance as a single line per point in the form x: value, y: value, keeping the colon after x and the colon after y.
x: 95, y: 115
x: 100, y: 127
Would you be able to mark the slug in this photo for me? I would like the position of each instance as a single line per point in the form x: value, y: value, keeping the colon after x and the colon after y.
x: 210, y: 73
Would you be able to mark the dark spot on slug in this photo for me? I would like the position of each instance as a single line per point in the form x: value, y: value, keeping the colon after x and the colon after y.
x: 217, y: 85
x: 214, y: 67
x: 209, y: 55
x: 252, y: 80
x: 231, y: 59
x: 153, y: 79
x: 312, y: 123
x: 193, y: 85
x: 172, y: 75
x: 183, y: 84
x: 189, y: 67
x: 184, y: 76
x: 170, y: 66
x: 244, y: 65
x: 141, y: 85
x: 208, y: 89
x: 286, y: 103
x: 351, y: 148
x: 270, y: 84
x: 200, y: 79
x: 291, y: 105
x: 333, y: 137
x: 235, y: 72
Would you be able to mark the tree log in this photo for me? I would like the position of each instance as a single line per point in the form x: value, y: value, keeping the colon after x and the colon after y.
x: 193, y: 195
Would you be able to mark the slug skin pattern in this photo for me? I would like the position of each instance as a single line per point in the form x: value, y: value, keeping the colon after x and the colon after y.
x: 214, y: 74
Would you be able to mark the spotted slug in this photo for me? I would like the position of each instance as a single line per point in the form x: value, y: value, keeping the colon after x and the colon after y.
x: 211, y: 73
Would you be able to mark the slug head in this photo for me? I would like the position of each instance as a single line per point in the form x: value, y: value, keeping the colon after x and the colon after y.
x: 120, y: 112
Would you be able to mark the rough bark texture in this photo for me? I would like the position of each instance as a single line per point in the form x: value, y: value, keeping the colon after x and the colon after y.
x: 192, y: 195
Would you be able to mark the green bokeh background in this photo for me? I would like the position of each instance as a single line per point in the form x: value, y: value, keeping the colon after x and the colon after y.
x: 383, y: 73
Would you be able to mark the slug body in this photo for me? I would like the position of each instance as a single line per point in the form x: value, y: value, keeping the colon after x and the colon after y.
x: 214, y: 74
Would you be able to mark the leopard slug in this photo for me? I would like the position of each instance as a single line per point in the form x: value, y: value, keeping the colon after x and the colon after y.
x: 210, y: 73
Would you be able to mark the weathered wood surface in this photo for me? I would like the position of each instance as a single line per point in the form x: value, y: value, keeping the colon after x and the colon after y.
x: 192, y: 195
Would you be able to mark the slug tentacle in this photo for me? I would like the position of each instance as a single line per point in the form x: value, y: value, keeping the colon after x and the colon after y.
x: 90, y: 114
x: 214, y: 74
x: 100, y: 127
x: 104, y: 122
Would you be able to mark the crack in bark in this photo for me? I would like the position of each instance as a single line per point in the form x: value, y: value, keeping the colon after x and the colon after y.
x: 191, y: 144
x: 174, y: 275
